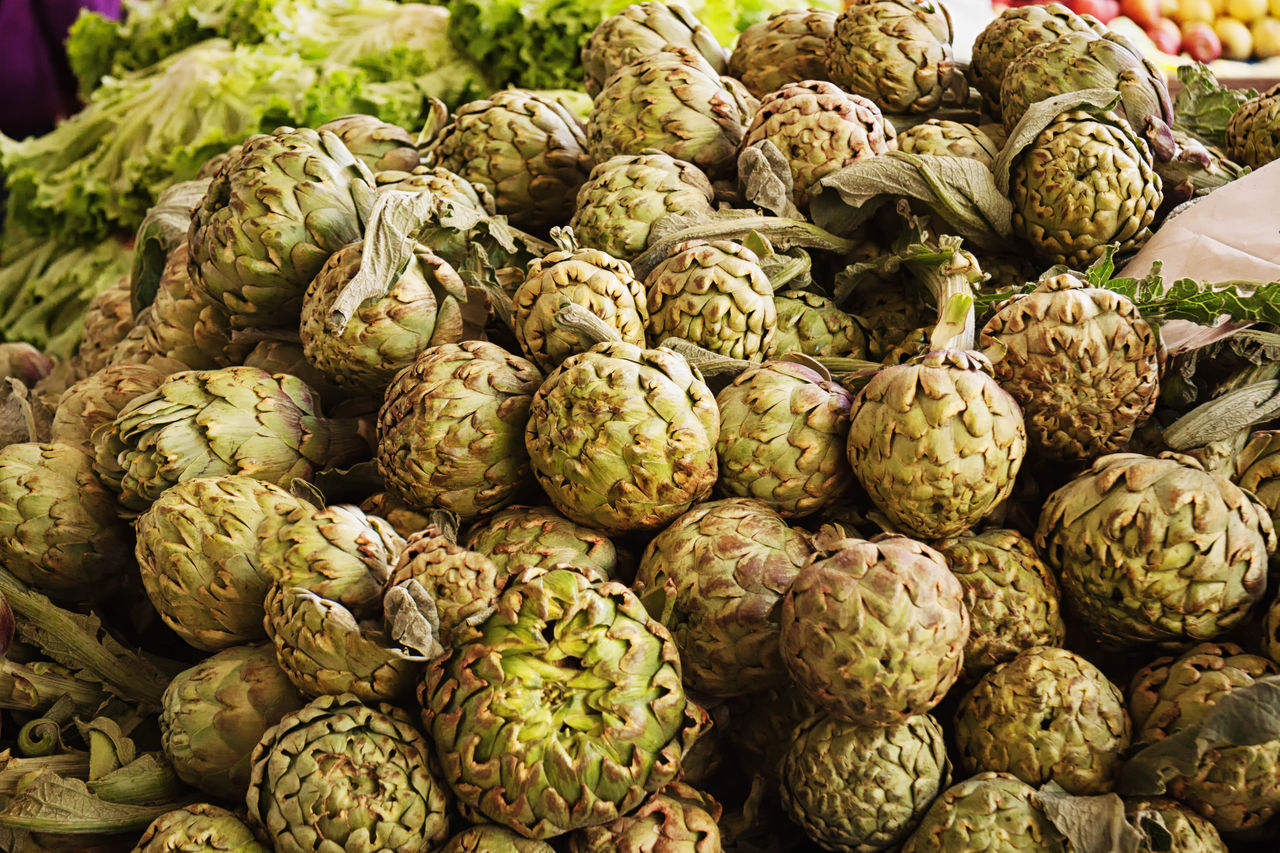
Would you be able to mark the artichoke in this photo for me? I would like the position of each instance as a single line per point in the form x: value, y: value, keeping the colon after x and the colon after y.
x: 874, y: 631
x: 566, y: 711
x: 895, y: 52
x: 677, y: 819
x: 812, y: 324
x: 626, y: 194
x: 1081, y: 361
x: 182, y: 324
x: 451, y: 427
x: 1156, y: 549
x: 783, y: 431
x: 1159, y: 818
x: 108, y: 318
x: 214, y: 714
x: 1087, y: 181
x: 339, y: 775
x: 937, y: 442
x: 1047, y: 715
x: 385, y: 333
x: 271, y: 218
x: 676, y: 102
x: 890, y: 313
x: 643, y: 29
x: 378, y: 144
x: 527, y: 149
x: 205, y: 423
x: 943, y: 137
x: 1236, y: 787
x: 1011, y: 596
x: 862, y: 789
x: 198, y: 554
x: 715, y: 578
x: 198, y: 828
x: 488, y: 838
x: 526, y: 537
x: 1253, y: 133
x: 819, y: 128
x: 403, y: 519
x: 790, y: 46
x: 623, y: 438
x: 987, y: 813
x: 59, y: 529
x: 590, y: 278
x: 715, y: 295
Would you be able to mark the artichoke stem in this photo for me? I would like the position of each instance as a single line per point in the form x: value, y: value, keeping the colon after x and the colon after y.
x: 781, y: 233
x: 955, y: 324
x: 15, y: 771
x: 574, y: 318
x: 708, y: 362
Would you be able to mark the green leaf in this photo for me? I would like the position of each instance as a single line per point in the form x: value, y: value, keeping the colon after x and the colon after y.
x: 1204, y: 106
x: 50, y: 803
x: 1094, y: 824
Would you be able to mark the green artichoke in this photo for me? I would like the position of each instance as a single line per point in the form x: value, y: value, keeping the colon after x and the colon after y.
x: 1048, y: 715
x: 947, y: 138
x: 812, y: 324
x: 819, y: 128
x: 287, y: 356
x: 459, y: 194
x: 338, y: 775
x: 566, y: 711
x: 874, y: 631
x: 987, y: 813
x: 626, y: 194
x: 488, y: 838
x: 1253, y: 133
x: 403, y: 519
x: 937, y: 442
x: 525, y: 148
x: 198, y: 554
x: 378, y: 144
x: 643, y: 29
x: 198, y: 828
x: 783, y: 431
x: 59, y: 529
x: 525, y: 537
x: 602, y: 284
x: 1159, y: 819
x: 1236, y: 787
x: 182, y: 324
x: 676, y: 102
x: 107, y: 320
x: 1257, y: 469
x: 715, y: 295
x: 1081, y: 361
x: 214, y: 714
x: 715, y: 577
x: 385, y: 333
x: 270, y: 220
x: 890, y: 313
x: 234, y: 420
x: 623, y: 438
x: 1011, y: 596
x: 1087, y: 181
x: 790, y: 46
x: 1156, y: 549
x: 677, y: 819
x: 862, y: 789
x: 451, y: 427
x: 895, y: 52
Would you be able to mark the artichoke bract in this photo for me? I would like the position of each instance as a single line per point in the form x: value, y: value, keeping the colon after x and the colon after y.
x: 107, y: 320
x: 812, y: 324
x: 862, y: 789
x: 182, y: 323
x: 987, y: 813
x: 206, y: 423
x: 197, y: 551
x: 1012, y: 597
x: 1257, y: 469
x: 528, y: 537
x: 59, y: 530
x: 626, y: 194
x: 1236, y: 787
x: 271, y: 218
x: 97, y: 399
x: 677, y: 819
x: 566, y: 711
x: 198, y: 828
x: 819, y: 128
x: 643, y: 29
x: 1156, y: 817
x: 623, y: 438
x: 1048, y: 715
x: 1086, y: 182
x: 937, y: 442
x: 676, y: 102
x: 783, y: 431
x: 382, y: 146
x: 451, y: 428
x: 403, y: 519
x: 215, y: 713
x: 489, y: 838
x: 1081, y: 361
x: 1253, y: 133
x: 944, y: 137
x: 340, y: 775
x: 874, y: 631
x: 715, y: 577
x: 895, y: 52
x: 527, y: 149
x: 790, y: 46
x: 1189, y: 562
x: 715, y: 295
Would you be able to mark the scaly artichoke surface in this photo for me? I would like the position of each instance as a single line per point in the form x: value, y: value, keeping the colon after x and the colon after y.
x: 1158, y: 817
x: 987, y: 813
x: 895, y: 52
x: 181, y: 323
x: 814, y: 325
x: 677, y: 819
x: 643, y: 29
x: 949, y: 138
x: 198, y: 828
x: 97, y: 399
x: 107, y: 321
x: 526, y: 537
x: 790, y: 46
x: 1253, y: 134
x: 382, y: 146
x: 489, y: 838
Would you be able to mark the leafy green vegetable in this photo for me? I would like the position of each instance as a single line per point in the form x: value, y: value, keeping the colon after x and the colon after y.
x: 1204, y: 106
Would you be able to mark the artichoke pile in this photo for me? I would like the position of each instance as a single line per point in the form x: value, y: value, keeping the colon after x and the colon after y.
x: 552, y: 479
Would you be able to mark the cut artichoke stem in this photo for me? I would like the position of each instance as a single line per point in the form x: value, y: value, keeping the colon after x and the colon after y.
x: 1228, y: 418
x: 572, y: 317
x: 34, y: 687
x: 955, y: 324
